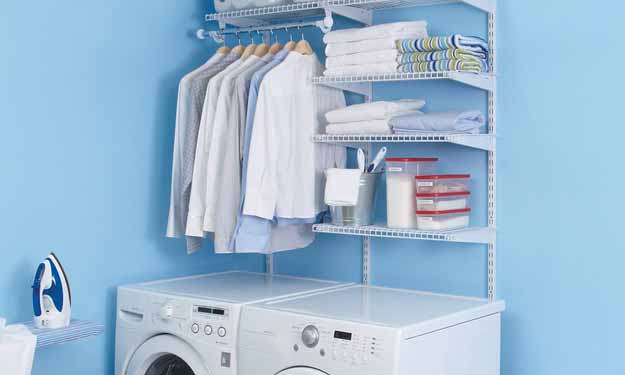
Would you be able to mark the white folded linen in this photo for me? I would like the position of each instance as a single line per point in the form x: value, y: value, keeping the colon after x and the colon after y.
x: 380, y: 110
x: 342, y: 187
x: 373, y: 57
x: 360, y: 127
x: 346, y: 48
x: 453, y: 121
x: 375, y: 32
x: 17, y: 350
x: 362, y: 69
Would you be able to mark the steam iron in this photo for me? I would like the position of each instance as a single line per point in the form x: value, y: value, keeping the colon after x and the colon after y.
x: 52, y: 298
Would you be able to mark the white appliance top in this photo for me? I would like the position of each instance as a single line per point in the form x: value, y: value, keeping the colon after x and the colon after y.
x: 236, y: 286
x: 395, y: 308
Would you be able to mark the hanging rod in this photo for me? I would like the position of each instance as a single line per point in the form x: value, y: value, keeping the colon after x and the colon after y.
x: 324, y: 25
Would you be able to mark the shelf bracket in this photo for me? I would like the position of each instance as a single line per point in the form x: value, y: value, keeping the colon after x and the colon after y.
x: 484, y: 142
x: 360, y: 15
x: 361, y: 88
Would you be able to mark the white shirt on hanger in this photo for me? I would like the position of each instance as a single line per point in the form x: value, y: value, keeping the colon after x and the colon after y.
x: 184, y: 112
x: 285, y: 177
x: 223, y: 180
x: 195, y: 217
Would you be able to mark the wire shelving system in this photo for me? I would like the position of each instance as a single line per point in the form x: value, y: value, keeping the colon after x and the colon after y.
x: 362, y: 12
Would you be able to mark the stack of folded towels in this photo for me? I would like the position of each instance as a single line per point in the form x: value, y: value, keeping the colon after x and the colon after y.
x: 400, y: 117
x: 401, y: 47
x: 370, y: 118
x: 371, y: 49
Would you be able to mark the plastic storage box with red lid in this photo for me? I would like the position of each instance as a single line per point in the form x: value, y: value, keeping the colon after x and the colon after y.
x: 443, y: 220
x: 443, y: 183
x: 442, y: 201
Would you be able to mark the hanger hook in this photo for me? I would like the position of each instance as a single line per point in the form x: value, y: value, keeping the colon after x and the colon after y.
x: 290, y: 35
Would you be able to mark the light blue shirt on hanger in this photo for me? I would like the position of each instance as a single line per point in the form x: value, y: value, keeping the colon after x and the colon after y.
x: 252, y: 233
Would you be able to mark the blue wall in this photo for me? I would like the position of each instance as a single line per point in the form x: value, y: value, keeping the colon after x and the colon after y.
x: 560, y: 255
x: 87, y: 106
x: 87, y: 122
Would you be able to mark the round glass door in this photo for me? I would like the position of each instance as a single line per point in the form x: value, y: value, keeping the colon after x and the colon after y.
x: 169, y: 364
x: 166, y: 355
x: 302, y: 371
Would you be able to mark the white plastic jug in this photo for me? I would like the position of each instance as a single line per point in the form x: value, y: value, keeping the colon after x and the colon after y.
x: 17, y: 349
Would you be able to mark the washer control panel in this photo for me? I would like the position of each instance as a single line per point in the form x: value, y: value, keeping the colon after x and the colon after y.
x: 196, y: 321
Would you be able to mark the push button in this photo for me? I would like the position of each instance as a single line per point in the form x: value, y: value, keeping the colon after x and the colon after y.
x: 221, y: 332
x: 208, y: 330
x: 195, y: 328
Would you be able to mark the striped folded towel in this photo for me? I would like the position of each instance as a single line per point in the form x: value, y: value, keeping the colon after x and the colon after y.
x: 439, y: 43
x: 444, y: 65
x: 448, y: 54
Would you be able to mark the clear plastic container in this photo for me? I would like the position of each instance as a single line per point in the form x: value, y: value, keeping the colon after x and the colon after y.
x: 443, y: 220
x: 400, y: 189
x: 442, y: 201
x: 449, y: 183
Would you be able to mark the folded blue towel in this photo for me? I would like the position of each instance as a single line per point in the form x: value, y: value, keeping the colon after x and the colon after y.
x: 477, y: 66
x: 442, y: 122
x: 448, y: 54
x: 439, y: 43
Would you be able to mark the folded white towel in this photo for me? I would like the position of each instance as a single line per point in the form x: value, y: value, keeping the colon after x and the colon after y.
x: 375, y: 32
x: 382, y: 56
x: 342, y: 186
x: 350, y: 70
x: 360, y: 127
x: 17, y: 350
x: 381, y: 110
x: 346, y: 48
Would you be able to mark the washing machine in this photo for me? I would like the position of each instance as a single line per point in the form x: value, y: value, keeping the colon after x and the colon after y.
x: 189, y: 326
x: 363, y: 330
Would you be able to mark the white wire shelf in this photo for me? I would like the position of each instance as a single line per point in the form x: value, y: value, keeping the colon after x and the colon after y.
x: 480, y: 141
x: 469, y: 235
x: 361, y: 83
x: 78, y: 329
x: 258, y: 16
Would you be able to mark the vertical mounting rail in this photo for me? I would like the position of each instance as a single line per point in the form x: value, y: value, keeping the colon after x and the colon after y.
x: 269, y: 264
x: 492, y: 160
x: 366, y: 241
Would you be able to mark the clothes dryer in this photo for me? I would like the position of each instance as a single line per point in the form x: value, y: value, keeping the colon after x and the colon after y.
x: 364, y: 330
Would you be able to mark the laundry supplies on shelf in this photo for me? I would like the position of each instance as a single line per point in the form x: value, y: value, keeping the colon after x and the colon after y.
x: 453, y: 122
x: 445, y: 183
x: 362, y: 211
x: 400, y: 189
x: 442, y: 201
x: 443, y: 220
x: 342, y: 186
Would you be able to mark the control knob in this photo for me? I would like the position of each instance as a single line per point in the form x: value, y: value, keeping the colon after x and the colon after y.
x: 167, y: 312
x: 310, y: 336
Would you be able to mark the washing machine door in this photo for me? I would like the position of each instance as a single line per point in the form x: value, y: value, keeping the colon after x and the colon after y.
x: 166, y: 355
x: 302, y: 371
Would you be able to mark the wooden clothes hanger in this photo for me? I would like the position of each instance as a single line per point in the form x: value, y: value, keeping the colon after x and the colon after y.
x: 290, y: 45
x: 262, y: 49
x: 239, y: 49
x: 276, y: 47
x: 303, y: 46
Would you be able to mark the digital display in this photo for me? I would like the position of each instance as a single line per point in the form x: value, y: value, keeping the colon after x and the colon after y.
x: 219, y: 312
x: 342, y: 335
x: 205, y: 310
